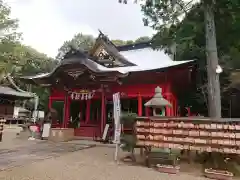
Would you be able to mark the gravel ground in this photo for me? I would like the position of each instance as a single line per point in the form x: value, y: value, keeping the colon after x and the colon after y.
x: 89, y: 164
x: 10, y: 141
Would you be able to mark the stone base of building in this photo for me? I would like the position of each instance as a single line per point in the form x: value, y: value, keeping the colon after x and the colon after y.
x: 61, y: 134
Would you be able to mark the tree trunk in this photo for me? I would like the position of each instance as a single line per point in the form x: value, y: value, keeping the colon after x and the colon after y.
x: 214, y: 97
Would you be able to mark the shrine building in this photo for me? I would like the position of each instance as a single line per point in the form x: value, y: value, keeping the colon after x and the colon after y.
x: 82, y: 85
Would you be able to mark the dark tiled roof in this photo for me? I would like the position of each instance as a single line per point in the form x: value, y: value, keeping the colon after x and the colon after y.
x: 11, y: 92
x: 135, y: 46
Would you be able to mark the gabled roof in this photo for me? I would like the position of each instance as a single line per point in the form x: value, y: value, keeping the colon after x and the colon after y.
x: 7, y: 91
x: 140, y: 56
x: 105, y: 52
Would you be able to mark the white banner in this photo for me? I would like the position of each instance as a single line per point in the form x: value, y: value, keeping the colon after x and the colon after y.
x: 116, y: 115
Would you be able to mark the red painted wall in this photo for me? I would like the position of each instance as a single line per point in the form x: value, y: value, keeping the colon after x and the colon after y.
x: 127, y: 91
x: 144, y: 90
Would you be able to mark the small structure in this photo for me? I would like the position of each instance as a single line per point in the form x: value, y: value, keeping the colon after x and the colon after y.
x: 158, y: 102
x: 23, y: 113
x: 8, y: 96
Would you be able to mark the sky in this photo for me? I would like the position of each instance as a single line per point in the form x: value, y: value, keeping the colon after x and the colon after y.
x: 46, y: 24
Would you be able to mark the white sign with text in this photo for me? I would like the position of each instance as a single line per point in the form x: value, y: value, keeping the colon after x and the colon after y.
x: 116, y: 115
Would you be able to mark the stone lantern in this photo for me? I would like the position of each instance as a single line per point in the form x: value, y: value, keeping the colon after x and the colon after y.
x: 158, y: 103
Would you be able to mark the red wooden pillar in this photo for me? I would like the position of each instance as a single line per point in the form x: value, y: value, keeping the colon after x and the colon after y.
x: 88, y: 111
x: 66, y: 111
x: 168, y: 97
x: 146, y: 111
x: 139, y: 105
x: 176, y: 107
x: 50, y: 102
x: 188, y: 111
x: 102, y: 111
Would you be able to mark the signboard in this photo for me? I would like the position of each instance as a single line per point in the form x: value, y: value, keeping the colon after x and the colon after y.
x: 198, y: 135
x: 82, y: 95
x: 105, y: 132
x: 46, y: 130
x: 116, y: 115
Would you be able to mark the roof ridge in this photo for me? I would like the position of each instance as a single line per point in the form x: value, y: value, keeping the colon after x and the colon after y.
x: 135, y: 46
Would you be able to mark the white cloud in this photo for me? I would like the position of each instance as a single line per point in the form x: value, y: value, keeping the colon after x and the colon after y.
x: 46, y: 24
x: 41, y: 26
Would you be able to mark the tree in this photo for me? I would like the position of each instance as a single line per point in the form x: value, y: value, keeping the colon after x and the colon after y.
x: 31, y: 62
x: 8, y: 39
x: 142, y: 39
x: 17, y: 59
x: 129, y: 42
x: 188, y: 36
x: 160, y: 14
x: 86, y: 42
x: 79, y: 41
x: 119, y: 42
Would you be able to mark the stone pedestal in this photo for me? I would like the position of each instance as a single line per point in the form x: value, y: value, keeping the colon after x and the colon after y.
x: 61, y: 134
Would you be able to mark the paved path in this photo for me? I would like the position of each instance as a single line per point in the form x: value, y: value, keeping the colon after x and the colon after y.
x: 36, y: 151
x: 88, y: 164
x: 34, y: 160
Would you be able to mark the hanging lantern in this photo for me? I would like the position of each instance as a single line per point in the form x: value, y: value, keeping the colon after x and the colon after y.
x: 86, y: 96
x: 90, y: 95
x: 82, y: 97
x: 72, y: 96
x: 77, y: 97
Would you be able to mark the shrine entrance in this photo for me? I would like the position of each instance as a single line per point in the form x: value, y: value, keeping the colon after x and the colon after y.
x: 129, y: 105
x: 77, y: 113
x: 58, y: 106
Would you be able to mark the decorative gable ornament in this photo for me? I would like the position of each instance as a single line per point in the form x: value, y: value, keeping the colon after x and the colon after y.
x: 74, y: 74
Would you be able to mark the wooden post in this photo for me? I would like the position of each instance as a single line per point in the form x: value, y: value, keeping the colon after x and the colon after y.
x: 2, y: 121
x: 88, y: 111
x: 146, y: 111
x: 167, y: 92
x: 188, y: 111
x: 66, y: 111
x: 102, y: 110
x: 50, y: 102
x: 139, y: 105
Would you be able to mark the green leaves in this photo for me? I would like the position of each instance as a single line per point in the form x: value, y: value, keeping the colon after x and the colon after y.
x: 79, y: 41
x: 189, y: 36
x: 164, y: 13
x: 17, y: 59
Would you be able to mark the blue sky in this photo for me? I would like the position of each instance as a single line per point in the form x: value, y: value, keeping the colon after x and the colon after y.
x: 46, y: 24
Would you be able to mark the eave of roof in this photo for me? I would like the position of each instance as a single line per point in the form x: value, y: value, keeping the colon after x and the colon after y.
x: 7, y: 91
x: 140, y: 54
x: 135, y: 46
x: 122, y: 70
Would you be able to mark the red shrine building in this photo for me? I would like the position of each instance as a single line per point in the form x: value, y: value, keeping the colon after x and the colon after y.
x: 83, y: 83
